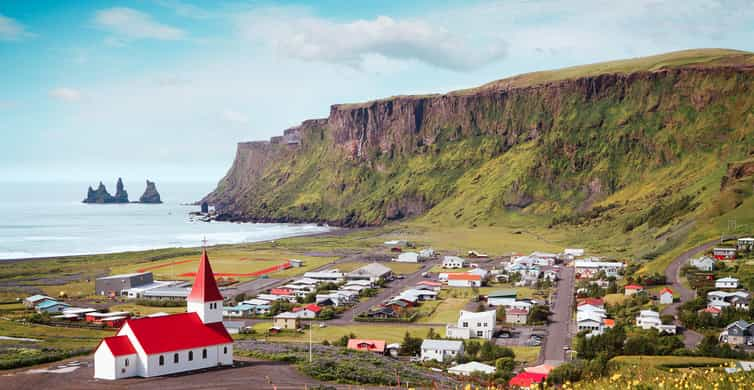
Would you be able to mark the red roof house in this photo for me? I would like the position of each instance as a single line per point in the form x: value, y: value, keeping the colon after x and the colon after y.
x: 310, y: 307
x: 599, y: 302
x: 367, y: 345
x: 526, y: 379
x: 464, y: 280
x: 173, y: 343
x: 281, y: 291
x: 429, y: 283
x: 632, y: 289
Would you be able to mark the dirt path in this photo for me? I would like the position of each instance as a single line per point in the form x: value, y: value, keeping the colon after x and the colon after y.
x: 673, y: 275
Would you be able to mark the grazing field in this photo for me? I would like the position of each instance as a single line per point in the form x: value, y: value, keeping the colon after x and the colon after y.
x: 525, y: 354
x: 141, y: 310
x: 615, y: 299
x: 392, y: 333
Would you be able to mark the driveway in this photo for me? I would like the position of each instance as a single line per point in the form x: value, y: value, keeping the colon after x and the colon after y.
x: 673, y: 275
x: 559, y: 330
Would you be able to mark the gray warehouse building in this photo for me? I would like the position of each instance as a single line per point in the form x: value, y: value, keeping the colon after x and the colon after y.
x: 114, y: 285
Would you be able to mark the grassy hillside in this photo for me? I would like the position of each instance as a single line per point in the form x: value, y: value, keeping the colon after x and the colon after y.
x: 628, y: 158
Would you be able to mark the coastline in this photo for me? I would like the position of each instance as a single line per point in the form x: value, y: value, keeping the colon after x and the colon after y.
x: 332, y: 230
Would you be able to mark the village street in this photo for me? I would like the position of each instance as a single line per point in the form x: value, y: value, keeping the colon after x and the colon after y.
x: 559, y: 329
x: 673, y: 275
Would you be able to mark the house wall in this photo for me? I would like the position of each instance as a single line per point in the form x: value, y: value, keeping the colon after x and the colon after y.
x: 216, y: 355
x: 455, y: 332
x: 464, y: 283
x: 516, y: 319
x: 437, y: 354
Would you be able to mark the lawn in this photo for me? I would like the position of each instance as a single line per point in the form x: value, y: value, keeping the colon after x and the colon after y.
x: 445, y: 312
x: 615, y: 299
x: 54, y: 337
x: 525, y: 354
x: 141, y: 310
x: 392, y: 333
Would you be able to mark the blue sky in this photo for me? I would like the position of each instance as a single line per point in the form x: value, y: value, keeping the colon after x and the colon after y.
x: 165, y: 88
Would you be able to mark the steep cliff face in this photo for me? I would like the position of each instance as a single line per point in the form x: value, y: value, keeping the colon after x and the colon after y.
x: 552, y: 147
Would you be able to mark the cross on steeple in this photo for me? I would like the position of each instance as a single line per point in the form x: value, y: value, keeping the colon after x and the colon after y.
x: 204, y: 242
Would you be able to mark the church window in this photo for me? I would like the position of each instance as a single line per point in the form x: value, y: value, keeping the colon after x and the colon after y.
x: 162, y: 360
x: 191, y: 355
x: 175, y: 358
x: 225, y: 350
x: 126, y: 362
x: 204, y: 353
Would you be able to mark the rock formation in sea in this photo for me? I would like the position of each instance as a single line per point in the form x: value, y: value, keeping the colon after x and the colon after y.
x: 101, y: 196
x: 121, y: 196
x: 150, y: 194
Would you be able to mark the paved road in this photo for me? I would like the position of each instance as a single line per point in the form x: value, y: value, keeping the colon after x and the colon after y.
x: 673, y: 274
x: 559, y: 330
x: 393, y: 288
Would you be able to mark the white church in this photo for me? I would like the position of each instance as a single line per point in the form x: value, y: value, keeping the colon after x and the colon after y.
x: 169, y: 344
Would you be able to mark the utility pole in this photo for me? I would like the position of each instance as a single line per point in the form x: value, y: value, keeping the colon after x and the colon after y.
x: 310, y: 341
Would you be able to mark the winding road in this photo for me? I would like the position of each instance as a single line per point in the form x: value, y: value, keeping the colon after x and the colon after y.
x: 673, y: 275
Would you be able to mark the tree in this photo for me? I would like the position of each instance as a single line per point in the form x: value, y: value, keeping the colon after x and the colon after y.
x: 431, y: 334
x: 487, y: 352
x: 327, y: 313
x: 505, y: 364
x: 538, y: 314
x: 411, y: 346
x: 472, y: 348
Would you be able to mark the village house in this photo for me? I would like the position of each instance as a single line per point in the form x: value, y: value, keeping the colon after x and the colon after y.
x: 371, y: 272
x: 526, y: 380
x: 473, y: 325
x: 309, y: 311
x: 501, y: 297
x: 711, y: 310
x: 544, y: 259
x: 572, y: 253
x: 332, y: 275
x: 419, y: 294
x: 483, y: 273
x: 745, y: 244
x: 588, y: 268
x: 589, y: 321
x: 453, y: 262
x: 393, y: 350
x: 259, y: 306
x: 738, y: 333
x: 367, y: 345
x: 516, y: 316
x: 426, y: 254
x: 169, y: 344
x: 704, y: 263
x: 738, y: 300
x: 724, y: 253
x: 464, y: 280
x: 727, y: 282
x: 51, y: 307
x: 286, y: 320
x: 649, y: 319
x: 407, y: 257
x: 240, y: 310
x: 441, y: 350
x: 633, y: 289
x: 666, y: 296
x: 35, y: 300
x: 467, y: 369
x: 598, y: 302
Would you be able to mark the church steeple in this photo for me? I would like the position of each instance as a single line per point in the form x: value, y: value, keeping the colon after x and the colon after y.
x: 205, y: 298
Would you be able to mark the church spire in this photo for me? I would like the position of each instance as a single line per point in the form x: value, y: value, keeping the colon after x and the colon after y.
x: 205, y: 288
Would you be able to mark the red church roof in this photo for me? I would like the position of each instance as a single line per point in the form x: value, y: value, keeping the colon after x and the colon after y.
x: 176, y: 332
x: 119, y: 345
x: 205, y: 288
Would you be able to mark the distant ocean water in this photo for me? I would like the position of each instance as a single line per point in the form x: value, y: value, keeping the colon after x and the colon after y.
x: 48, y: 219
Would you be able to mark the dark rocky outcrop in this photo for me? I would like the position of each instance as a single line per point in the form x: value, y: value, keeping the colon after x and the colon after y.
x: 121, y: 196
x: 100, y: 195
x: 150, y: 194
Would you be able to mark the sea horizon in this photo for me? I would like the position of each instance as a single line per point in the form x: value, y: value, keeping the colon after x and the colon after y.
x: 47, y: 219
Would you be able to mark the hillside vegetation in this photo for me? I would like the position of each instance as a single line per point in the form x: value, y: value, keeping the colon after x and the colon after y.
x: 628, y: 157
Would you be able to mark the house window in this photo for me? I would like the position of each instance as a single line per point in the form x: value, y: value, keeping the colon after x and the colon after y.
x: 162, y: 360
x: 175, y: 358
x: 126, y: 362
x: 465, y: 324
x: 191, y: 355
x: 225, y: 350
x: 204, y: 353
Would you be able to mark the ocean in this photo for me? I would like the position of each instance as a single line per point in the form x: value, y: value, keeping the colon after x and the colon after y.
x: 48, y: 219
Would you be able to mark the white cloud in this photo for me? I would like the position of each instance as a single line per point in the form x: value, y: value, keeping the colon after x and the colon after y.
x: 12, y: 30
x: 294, y: 33
x: 235, y: 117
x: 127, y: 23
x: 66, y: 94
x: 186, y: 10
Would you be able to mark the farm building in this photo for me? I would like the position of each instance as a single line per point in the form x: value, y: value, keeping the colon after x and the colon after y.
x: 116, y: 284
x: 724, y: 253
x: 440, y: 350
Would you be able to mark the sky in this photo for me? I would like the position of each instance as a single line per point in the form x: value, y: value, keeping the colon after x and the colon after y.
x: 164, y: 89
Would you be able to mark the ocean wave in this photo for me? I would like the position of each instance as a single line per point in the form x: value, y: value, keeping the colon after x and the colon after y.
x: 50, y: 238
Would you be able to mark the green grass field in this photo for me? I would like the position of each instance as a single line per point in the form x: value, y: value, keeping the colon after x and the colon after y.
x: 445, y: 312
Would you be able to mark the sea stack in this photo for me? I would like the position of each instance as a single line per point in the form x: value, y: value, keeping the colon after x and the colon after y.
x: 121, y: 196
x: 150, y: 194
x: 101, y: 196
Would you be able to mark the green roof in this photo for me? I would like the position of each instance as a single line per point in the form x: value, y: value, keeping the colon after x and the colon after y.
x: 505, y: 293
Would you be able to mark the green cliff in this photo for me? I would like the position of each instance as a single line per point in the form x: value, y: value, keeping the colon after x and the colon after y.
x: 645, y: 147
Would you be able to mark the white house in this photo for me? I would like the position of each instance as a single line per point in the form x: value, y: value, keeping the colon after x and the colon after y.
x: 464, y: 280
x: 649, y: 319
x: 453, y: 262
x: 573, y: 252
x: 473, y: 325
x: 426, y: 254
x: 666, y: 296
x: 407, y: 257
x: 728, y: 282
x: 169, y: 344
x: 441, y: 350
x: 332, y: 275
x: 704, y: 263
x: 591, y: 321
x: 469, y: 368
x: 371, y: 272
